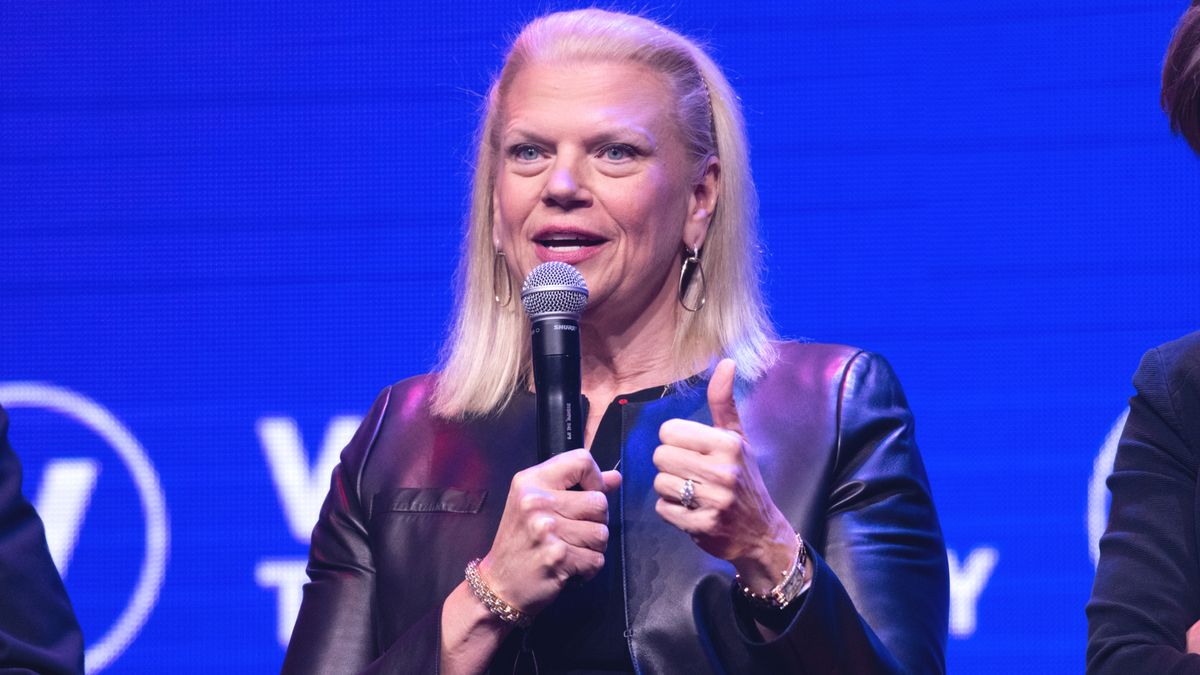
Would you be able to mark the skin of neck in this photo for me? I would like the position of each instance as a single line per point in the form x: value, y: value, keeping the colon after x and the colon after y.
x: 626, y: 351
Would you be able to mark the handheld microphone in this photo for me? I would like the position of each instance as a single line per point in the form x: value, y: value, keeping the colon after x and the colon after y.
x: 554, y: 295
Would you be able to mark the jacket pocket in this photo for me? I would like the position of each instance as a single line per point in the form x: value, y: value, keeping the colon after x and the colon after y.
x: 428, y: 500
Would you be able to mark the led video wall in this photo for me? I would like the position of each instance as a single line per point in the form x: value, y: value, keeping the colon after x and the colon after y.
x: 227, y: 226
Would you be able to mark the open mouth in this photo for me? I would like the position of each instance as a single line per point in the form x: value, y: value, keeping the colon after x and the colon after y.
x: 568, y: 242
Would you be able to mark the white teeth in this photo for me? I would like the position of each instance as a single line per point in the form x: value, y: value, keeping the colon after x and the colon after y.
x: 556, y: 247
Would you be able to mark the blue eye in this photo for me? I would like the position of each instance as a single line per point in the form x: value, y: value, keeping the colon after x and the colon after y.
x: 526, y: 152
x: 619, y: 152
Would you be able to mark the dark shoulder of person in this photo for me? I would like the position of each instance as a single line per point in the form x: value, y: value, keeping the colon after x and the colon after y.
x: 1178, y: 363
x: 38, y: 629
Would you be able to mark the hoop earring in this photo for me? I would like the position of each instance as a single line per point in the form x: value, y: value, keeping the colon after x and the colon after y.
x: 691, y: 268
x: 500, y: 270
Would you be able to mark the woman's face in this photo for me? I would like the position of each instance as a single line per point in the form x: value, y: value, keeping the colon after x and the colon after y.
x: 592, y: 170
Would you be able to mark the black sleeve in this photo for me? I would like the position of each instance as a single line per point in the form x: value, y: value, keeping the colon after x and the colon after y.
x: 38, y: 629
x: 1147, y: 589
x: 336, y: 629
x: 879, y: 597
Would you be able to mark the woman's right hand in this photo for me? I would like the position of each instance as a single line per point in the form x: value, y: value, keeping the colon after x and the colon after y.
x: 550, y: 533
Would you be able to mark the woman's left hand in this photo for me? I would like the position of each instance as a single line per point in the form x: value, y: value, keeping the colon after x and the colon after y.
x: 732, y: 516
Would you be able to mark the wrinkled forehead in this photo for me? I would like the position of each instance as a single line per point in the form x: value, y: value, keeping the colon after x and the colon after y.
x: 597, y: 91
x: 581, y: 93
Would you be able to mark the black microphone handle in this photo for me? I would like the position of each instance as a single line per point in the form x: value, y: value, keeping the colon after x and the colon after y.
x: 559, y: 406
x: 556, y: 379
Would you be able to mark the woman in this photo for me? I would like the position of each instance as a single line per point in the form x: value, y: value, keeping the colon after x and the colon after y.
x: 1147, y: 589
x: 616, y: 145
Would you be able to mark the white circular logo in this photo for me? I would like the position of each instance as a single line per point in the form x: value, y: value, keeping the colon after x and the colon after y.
x: 1097, y: 510
x: 101, y: 422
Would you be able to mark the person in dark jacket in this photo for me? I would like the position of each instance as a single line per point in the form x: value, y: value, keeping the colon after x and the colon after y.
x: 38, y: 629
x: 1147, y: 589
x: 1144, y: 614
x: 744, y: 505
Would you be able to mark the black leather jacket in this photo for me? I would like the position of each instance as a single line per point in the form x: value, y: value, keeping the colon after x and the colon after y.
x: 416, y: 497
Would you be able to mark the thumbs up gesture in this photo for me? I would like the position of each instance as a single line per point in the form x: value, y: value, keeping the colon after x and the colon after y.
x: 710, y: 487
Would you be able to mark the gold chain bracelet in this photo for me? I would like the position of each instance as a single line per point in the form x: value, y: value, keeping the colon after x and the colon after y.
x: 493, y: 602
x: 788, y: 589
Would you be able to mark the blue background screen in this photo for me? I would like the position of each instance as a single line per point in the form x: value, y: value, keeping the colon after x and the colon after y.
x: 226, y: 226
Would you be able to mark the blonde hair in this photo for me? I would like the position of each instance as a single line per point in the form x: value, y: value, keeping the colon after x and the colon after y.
x: 487, y: 355
x: 1181, y: 78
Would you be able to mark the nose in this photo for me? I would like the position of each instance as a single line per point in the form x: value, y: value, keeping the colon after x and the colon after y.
x: 564, y: 188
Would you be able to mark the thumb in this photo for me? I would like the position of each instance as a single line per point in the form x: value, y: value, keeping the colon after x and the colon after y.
x: 612, y: 480
x: 720, y: 398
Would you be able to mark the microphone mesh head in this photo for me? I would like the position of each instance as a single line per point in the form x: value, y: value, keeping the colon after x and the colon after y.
x: 554, y: 288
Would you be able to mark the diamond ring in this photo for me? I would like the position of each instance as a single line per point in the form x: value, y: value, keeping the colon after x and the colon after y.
x: 687, y: 494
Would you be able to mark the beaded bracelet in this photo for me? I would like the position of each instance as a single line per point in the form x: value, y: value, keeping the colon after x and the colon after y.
x: 788, y: 589
x: 493, y: 602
